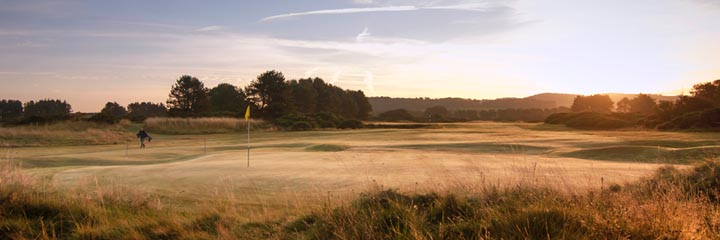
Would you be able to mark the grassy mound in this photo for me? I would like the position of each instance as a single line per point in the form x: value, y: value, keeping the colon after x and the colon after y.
x: 481, y: 147
x: 646, y: 154
x: 593, y: 120
x: 326, y: 148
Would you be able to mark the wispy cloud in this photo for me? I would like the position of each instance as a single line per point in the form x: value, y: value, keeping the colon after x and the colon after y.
x: 209, y: 28
x: 406, y: 8
x: 364, y: 34
x: 341, y: 11
x: 464, y: 7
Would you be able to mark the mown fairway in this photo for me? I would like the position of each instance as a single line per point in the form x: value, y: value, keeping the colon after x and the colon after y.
x: 289, y: 168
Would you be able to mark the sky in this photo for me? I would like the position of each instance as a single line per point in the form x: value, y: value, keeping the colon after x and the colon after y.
x: 92, y: 52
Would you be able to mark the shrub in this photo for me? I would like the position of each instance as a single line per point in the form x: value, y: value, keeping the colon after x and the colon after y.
x: 708, y: 119
x: 327, y: 120
x: 351, y: 124
x: 104, y: 118
x: 594, y: 120
x: 558, y: 118
x: 396, y: 115
x: 686, y: 121
x: 300, y: 126
x: 289, y: 121
x: 137, y: 118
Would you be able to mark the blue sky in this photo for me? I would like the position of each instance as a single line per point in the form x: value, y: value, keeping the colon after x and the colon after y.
x: 91, y: 52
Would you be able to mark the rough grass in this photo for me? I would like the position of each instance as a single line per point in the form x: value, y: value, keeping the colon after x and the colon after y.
x: 671, y: 204
x: 201, y: 125
x: 66, y: 133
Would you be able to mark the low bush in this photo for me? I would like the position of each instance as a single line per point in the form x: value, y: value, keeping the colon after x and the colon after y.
x: 396, y: 115
x: 300, y: 126
x: 593, y: 120
x: 295, y: 122
x: 104, y: 118
x: 350, y: 124
x: 699, y: 120
x: 327, y: 120
x: 300, y: 122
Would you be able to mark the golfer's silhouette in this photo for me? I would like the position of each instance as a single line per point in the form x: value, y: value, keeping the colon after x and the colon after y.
x: 142, y: 135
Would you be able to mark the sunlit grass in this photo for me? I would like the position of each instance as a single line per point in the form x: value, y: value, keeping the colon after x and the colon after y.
x: 66, y: 133
x: 670, y: 204
x: 471, y: 181
x: 201, y: 125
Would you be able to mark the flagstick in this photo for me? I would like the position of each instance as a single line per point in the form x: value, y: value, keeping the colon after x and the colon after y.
x: 248, y: 145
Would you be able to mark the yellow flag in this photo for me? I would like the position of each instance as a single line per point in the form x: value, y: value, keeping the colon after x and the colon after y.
x: 247, y: 113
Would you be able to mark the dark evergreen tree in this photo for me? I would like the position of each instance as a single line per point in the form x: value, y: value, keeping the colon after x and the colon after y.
x: 10, y: 110
x: 305, y: 97
x: 188, y: 98
x: 270, y: 93
x: 709, y: 91
x: 363, y: 105
x: 114, y: 110
x: 111, y: 113
x: 46, y: 110
x: 139, y: 111
x: 623, y: 105
x: 594, y: 103
x: 643, y: 104
x: 227, y: 100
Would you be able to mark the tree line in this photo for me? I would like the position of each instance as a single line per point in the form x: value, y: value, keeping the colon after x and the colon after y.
x: 384, y: 104
x: 14, y: 111
x: 699, y: 110
x: 50, y: 110
x: 295, y: 104
x: 302, y: 103
x: 442, y: 114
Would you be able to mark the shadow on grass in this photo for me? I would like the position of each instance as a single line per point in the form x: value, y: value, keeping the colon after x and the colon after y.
x: 65, y: 161
x: 327, y: 148
x: 647, y: 154
x: 479, y: 147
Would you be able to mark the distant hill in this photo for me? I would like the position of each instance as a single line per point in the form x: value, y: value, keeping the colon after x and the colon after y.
x: 539, y: 101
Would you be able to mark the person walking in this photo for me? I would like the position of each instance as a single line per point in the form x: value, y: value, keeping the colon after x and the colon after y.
x: 142, y: 135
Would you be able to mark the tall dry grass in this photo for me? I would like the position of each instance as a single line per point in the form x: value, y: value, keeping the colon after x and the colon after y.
x: 671, y: 204
x: 65, y: 133
x: 202, y: 125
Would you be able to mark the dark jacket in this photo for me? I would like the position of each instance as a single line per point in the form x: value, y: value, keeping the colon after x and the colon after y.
x: 142, y: 134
